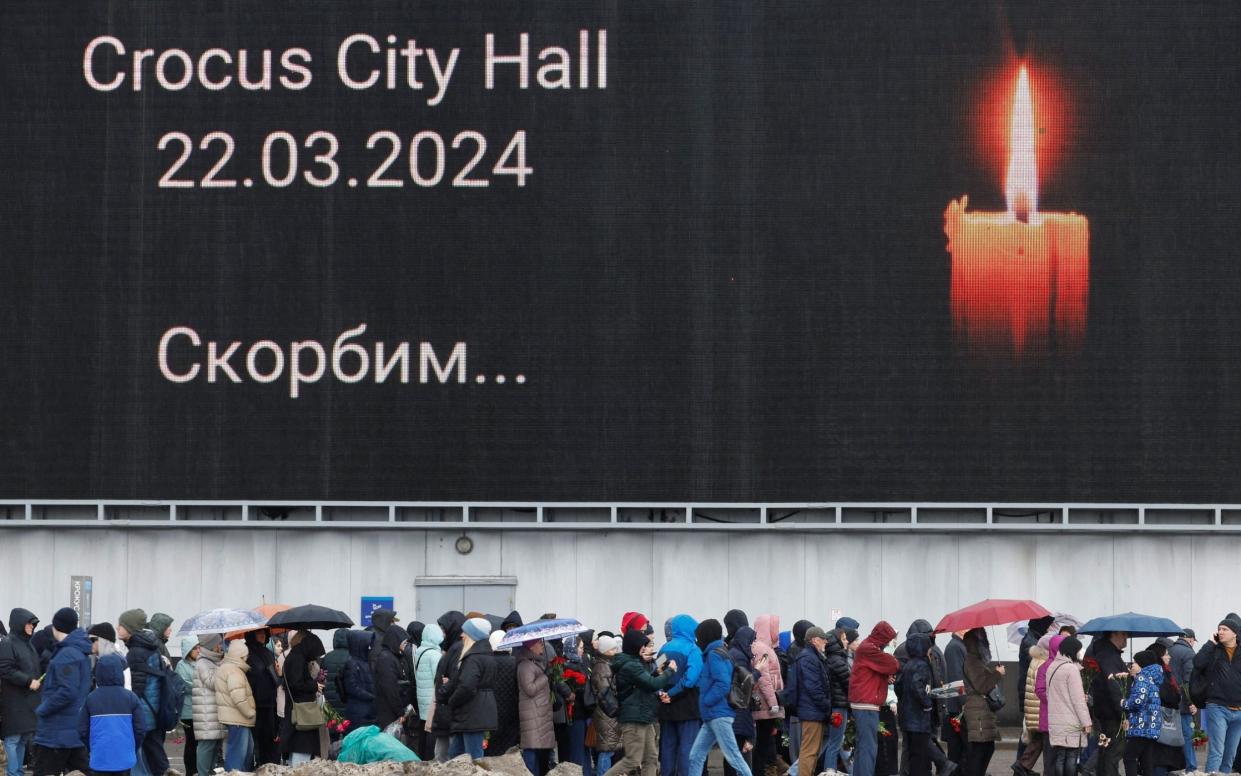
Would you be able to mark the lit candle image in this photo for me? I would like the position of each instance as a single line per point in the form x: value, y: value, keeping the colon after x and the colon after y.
x: 1019, y: 278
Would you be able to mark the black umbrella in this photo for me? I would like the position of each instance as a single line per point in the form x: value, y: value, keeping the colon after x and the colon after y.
x: 310, y: 617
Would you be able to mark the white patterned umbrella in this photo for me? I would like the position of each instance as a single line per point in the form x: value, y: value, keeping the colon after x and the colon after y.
x: 221, y: 621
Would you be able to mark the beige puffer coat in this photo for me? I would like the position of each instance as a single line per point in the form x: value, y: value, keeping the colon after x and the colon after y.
x: 1038, y: 656
x: 534, y: 702
x: 233, y: 697
x: 207, y: 725
x: 607, y: 729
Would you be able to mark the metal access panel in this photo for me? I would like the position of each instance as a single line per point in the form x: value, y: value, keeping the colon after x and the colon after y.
x: 491, y: 595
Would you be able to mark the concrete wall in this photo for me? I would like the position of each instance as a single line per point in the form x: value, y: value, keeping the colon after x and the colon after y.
x: 596, y: 576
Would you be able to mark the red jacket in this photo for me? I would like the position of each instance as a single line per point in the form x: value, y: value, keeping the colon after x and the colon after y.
x: 868, y: 684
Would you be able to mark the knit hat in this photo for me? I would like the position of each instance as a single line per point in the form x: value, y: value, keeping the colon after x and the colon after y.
x: 852, y: 635
x: 211, y: 641
x: 848, y: 623
x: 477, y: 628
x: 634, y: 641
x: 1231, y: 625
x: 495, y: 638
x: 134, y: 621
x: 608, y: 645
x: 708, y: 632
x: 634, y: 621
x: 815, y: 633
x: 103, y: 630
x: 65, y: 620
x: 1146, y: 658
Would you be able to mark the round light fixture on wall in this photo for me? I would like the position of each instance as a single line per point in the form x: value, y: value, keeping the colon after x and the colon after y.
x: 465, y: 545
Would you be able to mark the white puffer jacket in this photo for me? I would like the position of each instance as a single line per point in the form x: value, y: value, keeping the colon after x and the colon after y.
x: 207, y: 725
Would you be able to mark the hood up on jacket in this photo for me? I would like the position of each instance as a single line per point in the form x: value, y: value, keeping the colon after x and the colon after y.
x: 707, y: 633
x: 799, y: 631
x: 734, y: 620
x: 450, y: 623
x: 512, y: 621
x: 237, y: 654
x: 432, y: 635
x: 110, y: 671
x: 18, y: 619
x: 882, y: 634
x: 160, y: 622
x: 414, y: 631
x: 918, y: 645
x: 919, y: 626
x: 393, y: 638
x: 683, y: 626
x: 359, y: 644
x: 340, y: 638
x: 188, y: 645
x: 767, y: 628
x: 1038, y: 628
x: 1053, y: 647
x: 743, y: 640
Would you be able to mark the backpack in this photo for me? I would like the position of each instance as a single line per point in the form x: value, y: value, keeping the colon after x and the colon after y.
x: 788, y: 696
x: 742, y: 687
x: 171, y: 695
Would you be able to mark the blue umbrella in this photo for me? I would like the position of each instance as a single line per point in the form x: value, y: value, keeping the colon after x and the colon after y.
x: 1134, y: 624
x: 221, y: 621
x: 542, y: 629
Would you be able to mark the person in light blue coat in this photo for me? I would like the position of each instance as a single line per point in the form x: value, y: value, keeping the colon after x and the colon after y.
x: 111, y: 719
x: 426, y: 658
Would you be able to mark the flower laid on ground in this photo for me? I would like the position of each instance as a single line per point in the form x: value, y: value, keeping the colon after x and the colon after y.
x: 837, y: 719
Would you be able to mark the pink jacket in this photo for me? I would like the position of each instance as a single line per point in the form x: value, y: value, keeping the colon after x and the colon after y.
x: 1067, y: 715
x: 767, y: 628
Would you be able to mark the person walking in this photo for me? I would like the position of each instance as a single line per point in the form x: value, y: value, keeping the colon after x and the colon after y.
x: 814, y: 701
x: 301, y: 681
x: 717, y: 715
x: 161, y: 626
x: 469, y: 693
x: 955, y: 737
x: 190, y: 650
x: 934, y: 658
x: 357, y: 685
x: 146, y: 665
x: 1167, y: 757
x: 1220, y: 661
x: 1036, y: 629
x: 679, y: 718
x: 111, y: 720
x: 1068, y: 716
x: 768, y: 688
x: 741, y: 652
x: 914, y: 704
x: 534, y: 708
x: 58, y: 738
x: 1142, y: 707
x: 979, y: 718
x: 607, y: 704
x: 1181, y: 655
x: 450, y: 651
x: 235, y: 707
x: 426, y: 658
x: 1032, y: 709
x: 1040, y: 692
x: 19, y: 696
x: 868, y: 690
x: 1106, y: 694
x: 209, y: 732
x: 636, y: 689
x: 792, y: 723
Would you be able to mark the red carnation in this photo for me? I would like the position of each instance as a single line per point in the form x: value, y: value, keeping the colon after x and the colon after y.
x: 837, y: 719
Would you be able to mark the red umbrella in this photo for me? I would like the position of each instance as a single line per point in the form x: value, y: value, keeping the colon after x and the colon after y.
x: 993, y: 611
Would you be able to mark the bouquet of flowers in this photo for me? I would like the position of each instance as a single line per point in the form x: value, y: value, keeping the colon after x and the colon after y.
x: 956, y: 722
x: 335, y: 722
x: 1200, y: 738
x: 1090, y: 669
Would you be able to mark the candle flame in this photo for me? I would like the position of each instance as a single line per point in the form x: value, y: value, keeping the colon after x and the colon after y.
x: 1021, y: 186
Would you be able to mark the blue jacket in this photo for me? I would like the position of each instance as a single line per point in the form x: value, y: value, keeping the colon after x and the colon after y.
x: 64, y: 692
x: 1142, y: 703
x: 683, y: 648
x: 359, y: 683
x: 814, y: 698
x: 714, y: 683
x: 111, y: 719
x: 914, y: 703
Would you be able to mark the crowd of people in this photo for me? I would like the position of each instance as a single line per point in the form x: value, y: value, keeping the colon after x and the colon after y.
x: 614, y: 702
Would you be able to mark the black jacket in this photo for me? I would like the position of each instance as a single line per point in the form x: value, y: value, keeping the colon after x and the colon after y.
x: 262, y: 674
x: 742, y: 655
x: 934, y: 656
x: 914, y: 704
x: 334, y: 663
x: 391, y: 683
x: 142, y: 646
x: 836, y: 668
x: 1107, y: 693
x: 303, y: 687
x: 1183, y: 667
x: 19, y: 665
x: 954, y: 671
x: 1035, y: 630
x: 470, y: 691
x: 798, y: 643
x: 508, y: 725
x: 1223, y: 676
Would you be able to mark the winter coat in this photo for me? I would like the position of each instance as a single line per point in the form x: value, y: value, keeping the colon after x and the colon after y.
x: 19, y: 666
x: 1106, y: 692
x: 1067, y: 713
x: 426, y: 658
x: 1040, y: 680
x: 799, y: 640
x: 159, y: 623
x: 508, y: 698
x: 1035, y: 630
x: 185, y: 670
x: 1142, y: 703
x: 741, y: 653
x: 301, y: 670
x: 954, y: 671
x: 868, y: 681
x: 636, y: 687
x: 836, y: 666
x: 770, y: 681
x: 145, y: 669
x: 734, y: 621
x: 814, y: 694
x: 111, y: 722
x: 1032, y: 706
x: 1182, y: 667
x: 64, y: 693
x: 207, y: 725
x: 934, y: 657
x: 714, y: 683
x: 357, y: 683
x: 534, y: 702
x: 682, y: 647
x: 262, y: 674
x: 470, y: 692
x: 914, y: 704
x: 390, y: 683
x: 1223, y: 676
x: 334, y: 665
x: 234, y: 699
x: 980, y: 679
x: 607, y: 729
